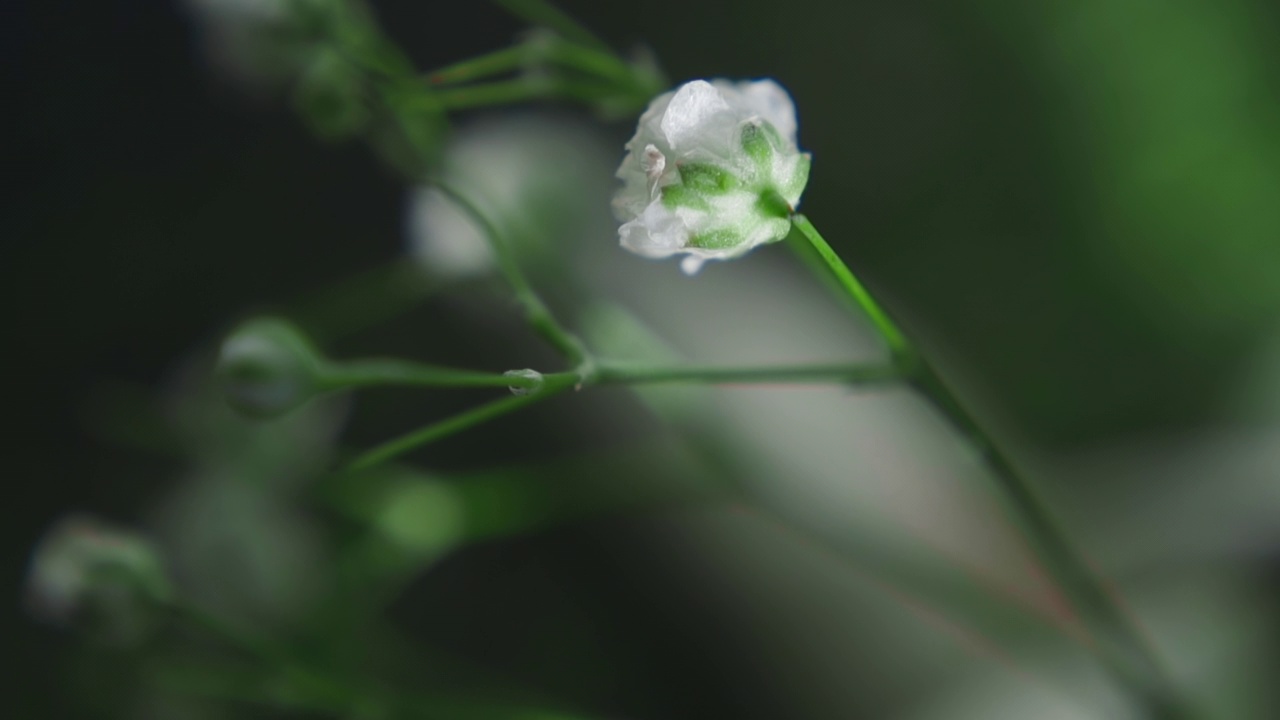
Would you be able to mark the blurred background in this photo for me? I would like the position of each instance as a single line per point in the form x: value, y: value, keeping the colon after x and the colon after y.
x: 1074, y: 206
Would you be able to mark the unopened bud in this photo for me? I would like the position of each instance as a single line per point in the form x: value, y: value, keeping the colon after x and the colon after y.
x: 85, y: 571
x: 267, y: 367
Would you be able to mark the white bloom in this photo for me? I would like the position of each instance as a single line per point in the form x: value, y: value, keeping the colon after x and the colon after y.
x: 705, y: 168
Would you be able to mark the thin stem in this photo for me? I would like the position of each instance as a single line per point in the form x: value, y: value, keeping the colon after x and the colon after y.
x: 589, y: 60
x: 494, y: 63
x: 552, y: 385
x: 379, y: 372
x: 898, y: 345
x: 845, y: 373
x: 538, y: 12
x: 551, y: 48
x: 536, y: 311
x: 506, y: 92
x: 1120, y: 645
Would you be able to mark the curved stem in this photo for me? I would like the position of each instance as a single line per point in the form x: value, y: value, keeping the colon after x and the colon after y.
x: 536, y: 311
x: 1119, y: 643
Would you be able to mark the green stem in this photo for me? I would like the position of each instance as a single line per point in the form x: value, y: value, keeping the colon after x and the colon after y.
x: 843, y: 373
x: 494, y: 63
x: 1119, y: 643
x: 395, y: 372
x: 507, y: 92
x: 898, y: 345
x: 552, y: 385
x: 538, y: 12
x: 604, y: 65
x: 536, y: 311
x: 378, y: 372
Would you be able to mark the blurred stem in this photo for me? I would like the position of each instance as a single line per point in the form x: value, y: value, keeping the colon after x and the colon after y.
x: 1117, y: 641
x: 379, y: 372
x: 506, y: 92
x: 537, y: 12
x: 843, y: 373
x: 536, y: 311
x: 552, y: 48
x: 494, y: 63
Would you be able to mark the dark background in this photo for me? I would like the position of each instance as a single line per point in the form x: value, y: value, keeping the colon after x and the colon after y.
x: 971, y: 160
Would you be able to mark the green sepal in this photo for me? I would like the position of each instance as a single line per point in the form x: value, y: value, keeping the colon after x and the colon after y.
x: 707, y: 179
x: 795, y: 184
x: 758, y: 140
x: 674, y: 196
x: 719, y: 239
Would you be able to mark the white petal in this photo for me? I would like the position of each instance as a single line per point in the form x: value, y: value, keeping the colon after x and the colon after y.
x: 694, y: 104
x: 691, y: 264
x: 767, y: 99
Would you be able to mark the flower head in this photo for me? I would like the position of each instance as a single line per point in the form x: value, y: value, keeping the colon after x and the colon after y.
x: 84, y: 570
x: 712, y: 171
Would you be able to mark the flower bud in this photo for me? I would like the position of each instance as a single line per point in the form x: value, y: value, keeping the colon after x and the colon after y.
x: 84, y: 570
x: 267, y: 367
x: 712, y: 171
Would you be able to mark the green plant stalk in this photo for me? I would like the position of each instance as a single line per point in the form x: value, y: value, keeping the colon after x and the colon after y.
x: 864, y: 374
x: 402, y: 372
x: 536, y: 311
x: 494, y: 63
x: 391, y: 372
x: 1118, y: 642
x: 507, y: 92
x: 553, y: 384
x: 553, y: 49
x: 538, y: 12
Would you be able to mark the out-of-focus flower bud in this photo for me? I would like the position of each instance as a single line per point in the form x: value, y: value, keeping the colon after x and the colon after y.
x: 712, y: 171
x: 267, y: 367
x: 86, y: 571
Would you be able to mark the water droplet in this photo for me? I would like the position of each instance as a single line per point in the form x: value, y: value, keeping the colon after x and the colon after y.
x: 533, y: 375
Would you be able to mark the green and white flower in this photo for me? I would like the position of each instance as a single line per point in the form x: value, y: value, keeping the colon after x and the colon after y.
x: 712, y: 171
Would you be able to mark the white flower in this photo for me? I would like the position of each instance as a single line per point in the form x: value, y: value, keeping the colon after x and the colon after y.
x: 705, y: 169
